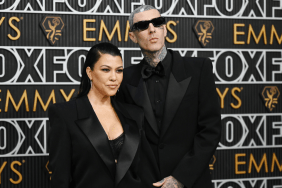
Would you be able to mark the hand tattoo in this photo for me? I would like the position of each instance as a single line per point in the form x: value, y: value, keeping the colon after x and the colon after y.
x: 171, y: 182
x: 161, y: 181
x: 153, y: 58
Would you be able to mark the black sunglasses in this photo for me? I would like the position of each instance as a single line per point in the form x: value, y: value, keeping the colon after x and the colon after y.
x: 143, y: 25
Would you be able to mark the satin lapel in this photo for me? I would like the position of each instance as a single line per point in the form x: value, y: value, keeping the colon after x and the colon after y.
x: 95, y: 133
x: 177, y: 86
x: 131, y: 142
x: 128, y: 152
x: 174, y: 96
x: 141, y: 98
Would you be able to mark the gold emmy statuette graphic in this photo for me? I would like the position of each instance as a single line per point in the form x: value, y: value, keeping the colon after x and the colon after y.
x: 212, y: 162
x: 48, y: 169
x: 270, y: 96
x: 204, y: 30
x: 52, y: 27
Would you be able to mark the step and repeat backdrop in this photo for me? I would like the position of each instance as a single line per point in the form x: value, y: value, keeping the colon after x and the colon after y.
x: 43, y: 44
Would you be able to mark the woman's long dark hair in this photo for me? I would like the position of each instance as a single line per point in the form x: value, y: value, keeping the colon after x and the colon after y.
x: 92, y: 57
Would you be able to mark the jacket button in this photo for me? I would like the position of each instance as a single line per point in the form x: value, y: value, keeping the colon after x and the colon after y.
x: 161, y: 146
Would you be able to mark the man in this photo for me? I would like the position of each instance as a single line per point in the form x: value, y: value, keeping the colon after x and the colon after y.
x: 178, y: 96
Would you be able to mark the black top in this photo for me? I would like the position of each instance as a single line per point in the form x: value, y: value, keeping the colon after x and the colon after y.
x: 116, y: 145
x: 157, y: 87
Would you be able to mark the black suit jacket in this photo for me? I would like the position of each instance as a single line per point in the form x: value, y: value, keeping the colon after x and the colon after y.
x: 191, y: 125
x: 80, y: 155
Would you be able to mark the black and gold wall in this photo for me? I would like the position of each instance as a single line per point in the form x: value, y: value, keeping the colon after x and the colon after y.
x: 43, y: 44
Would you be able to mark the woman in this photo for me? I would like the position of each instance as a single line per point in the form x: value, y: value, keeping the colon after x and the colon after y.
x: 94, y: 140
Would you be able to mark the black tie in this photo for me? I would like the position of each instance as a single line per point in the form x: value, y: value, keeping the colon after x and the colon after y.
x: 148, y: 70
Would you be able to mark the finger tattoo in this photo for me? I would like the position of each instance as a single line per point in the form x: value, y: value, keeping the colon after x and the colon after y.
x: 161, y: 181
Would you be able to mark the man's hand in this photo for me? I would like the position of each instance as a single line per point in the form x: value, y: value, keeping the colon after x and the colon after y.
x: 169, y: 182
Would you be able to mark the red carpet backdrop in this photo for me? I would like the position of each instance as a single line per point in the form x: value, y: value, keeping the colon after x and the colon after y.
x: 43, y: 44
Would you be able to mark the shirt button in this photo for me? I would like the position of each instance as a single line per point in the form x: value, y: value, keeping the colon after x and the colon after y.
x: 161, y: 146
x: 158, y: 101
x: 157, y: 81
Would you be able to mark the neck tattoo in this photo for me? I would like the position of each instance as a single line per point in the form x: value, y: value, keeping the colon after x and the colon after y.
x: 153, y: 58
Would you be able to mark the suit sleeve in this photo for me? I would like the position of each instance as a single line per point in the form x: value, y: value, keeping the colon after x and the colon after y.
x: 196, y: 161
x: 59, y: 149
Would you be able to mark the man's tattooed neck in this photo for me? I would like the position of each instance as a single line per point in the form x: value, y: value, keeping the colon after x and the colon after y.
x: 153, y: 58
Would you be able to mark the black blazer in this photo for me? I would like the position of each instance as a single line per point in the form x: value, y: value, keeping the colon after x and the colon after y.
x: 190, y: 130
x: 80, y: 155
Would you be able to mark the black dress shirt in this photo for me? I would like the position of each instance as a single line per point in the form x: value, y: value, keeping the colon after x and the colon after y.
x: 157, y: 87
